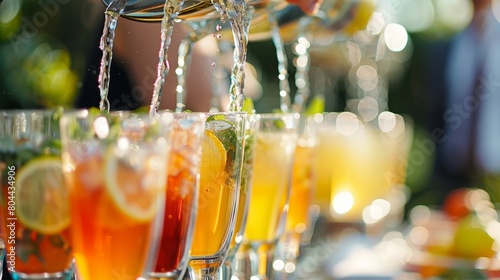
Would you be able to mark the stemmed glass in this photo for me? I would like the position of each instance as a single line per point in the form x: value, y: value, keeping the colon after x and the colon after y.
x: 181, y: 195
x: 252, y: 126
x: 34, y: 198
x: 115, y: 166
x: 299, y: 220
x: 275, y: 143
x: 221, y: 164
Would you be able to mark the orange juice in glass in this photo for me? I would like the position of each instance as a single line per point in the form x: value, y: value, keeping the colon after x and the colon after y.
x: 302, y: 186
x: 34, y: 199
x: 182, y: 195
x: 115, y: 168
x: 221, y: 163
x: 275, y: 143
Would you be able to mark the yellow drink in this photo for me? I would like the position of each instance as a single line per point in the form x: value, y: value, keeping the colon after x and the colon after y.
x: 359, y: 169
x: 323, y: 166
x: 270, y: 185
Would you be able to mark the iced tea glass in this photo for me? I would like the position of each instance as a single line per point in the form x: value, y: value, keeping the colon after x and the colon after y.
x: 115, y: 167
x: 182, y: 195
x: 34, y: 199
x: 220, y: 174
x: 275, y: 144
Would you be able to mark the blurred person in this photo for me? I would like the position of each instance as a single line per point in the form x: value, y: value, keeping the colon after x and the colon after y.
x: 464, y: 80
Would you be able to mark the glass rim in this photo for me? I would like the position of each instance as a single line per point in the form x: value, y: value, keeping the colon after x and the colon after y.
x: 82, y: 113
x: 277, y: 115
x: 27, y: 111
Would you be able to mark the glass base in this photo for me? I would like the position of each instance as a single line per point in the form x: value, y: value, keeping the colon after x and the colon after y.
x: 171, y: 275
x: 69, y: 274
x: 205, y: 268
x: 43, y: 276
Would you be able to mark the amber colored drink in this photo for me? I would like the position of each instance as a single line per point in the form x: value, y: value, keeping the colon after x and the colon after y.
x: 182, y: 193
x: 302, y: 187
x: 107, y: 241
x: 116, y: 173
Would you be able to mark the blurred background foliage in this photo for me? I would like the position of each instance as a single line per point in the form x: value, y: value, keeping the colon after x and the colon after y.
x: 44, y: 47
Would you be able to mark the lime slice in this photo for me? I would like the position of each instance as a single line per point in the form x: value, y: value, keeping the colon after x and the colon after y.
x: 134, y: 189
x: 41, y: 197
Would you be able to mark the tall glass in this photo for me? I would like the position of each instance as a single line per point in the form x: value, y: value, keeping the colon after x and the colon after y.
x: 221, y: 164
x: 34, y: 199
x: 275, y: 144
x: 358, y: 147
x: 115, y: 167
x: 396, y: 132
x: 299, y: 220
x: 182, y: 195
x: 244, y: 199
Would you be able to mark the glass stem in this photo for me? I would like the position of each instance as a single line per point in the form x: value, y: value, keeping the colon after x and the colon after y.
x: 226, y: 270
x: 209, y: 273
x: 265, y: 255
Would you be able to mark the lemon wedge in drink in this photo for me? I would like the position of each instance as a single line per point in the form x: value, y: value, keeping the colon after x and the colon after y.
x: 41, y: 198
x: 213, y: 155
x: 134, y: 189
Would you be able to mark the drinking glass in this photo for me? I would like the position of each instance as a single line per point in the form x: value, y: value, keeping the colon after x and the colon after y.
x: 34, y: 199
x: 221, y: 165
x: 181, y: 196
x: 252, y: 125
x: 115, y: 167
x: 299, y: 220
x: 275, y: 144
x: 396, y: 133
x: 357, y: 149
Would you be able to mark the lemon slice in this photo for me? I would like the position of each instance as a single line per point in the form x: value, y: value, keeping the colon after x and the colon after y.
x: 135, y: 189
x: 41, y: 197
x: 213, y: 155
